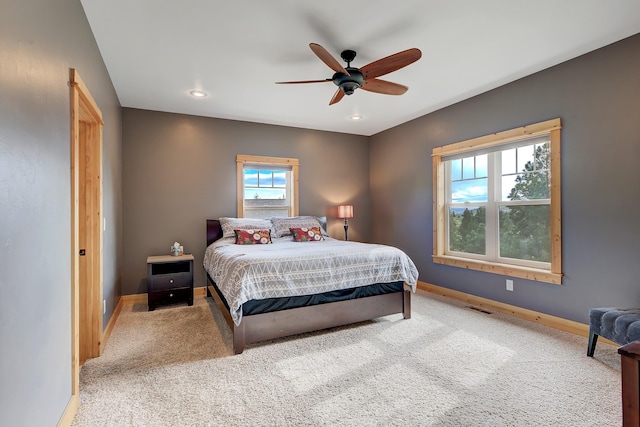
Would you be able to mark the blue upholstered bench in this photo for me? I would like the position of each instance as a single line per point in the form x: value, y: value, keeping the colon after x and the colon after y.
x: 620, y: 325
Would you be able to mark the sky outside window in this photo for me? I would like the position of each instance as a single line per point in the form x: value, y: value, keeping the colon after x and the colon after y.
x: 469, y: 179
x: 265, y: 183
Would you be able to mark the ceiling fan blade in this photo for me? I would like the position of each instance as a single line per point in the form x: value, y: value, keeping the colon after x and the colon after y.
x: 327, y: 58
x: 383, y: 86
x: 390, y: 63
x: 337, y: 97
x: 303, y: 81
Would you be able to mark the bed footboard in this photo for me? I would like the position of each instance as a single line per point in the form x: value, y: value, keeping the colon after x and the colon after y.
x: 277, y: 324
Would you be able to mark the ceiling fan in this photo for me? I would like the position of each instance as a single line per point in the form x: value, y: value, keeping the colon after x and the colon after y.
x: 350, y: 78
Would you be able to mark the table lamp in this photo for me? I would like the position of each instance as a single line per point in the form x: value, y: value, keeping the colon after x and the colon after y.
x: 345, y: 212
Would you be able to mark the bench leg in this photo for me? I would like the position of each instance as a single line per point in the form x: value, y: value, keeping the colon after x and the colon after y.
x: 591, y: 347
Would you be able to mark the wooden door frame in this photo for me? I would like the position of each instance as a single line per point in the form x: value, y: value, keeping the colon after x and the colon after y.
x: 86, y: 128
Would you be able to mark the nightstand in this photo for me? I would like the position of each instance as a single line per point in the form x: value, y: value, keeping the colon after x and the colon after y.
x: 169, y: 279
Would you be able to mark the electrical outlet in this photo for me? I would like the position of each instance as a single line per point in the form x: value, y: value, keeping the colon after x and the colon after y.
x: 104, y: 306
x: 509, y: 285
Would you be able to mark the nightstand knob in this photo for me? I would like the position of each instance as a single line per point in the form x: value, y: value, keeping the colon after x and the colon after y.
x: 171, y: 295
x: 170, y: 280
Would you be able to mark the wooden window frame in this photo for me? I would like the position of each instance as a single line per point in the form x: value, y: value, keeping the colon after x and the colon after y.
x: 243, y: 160
x: 551, y: 128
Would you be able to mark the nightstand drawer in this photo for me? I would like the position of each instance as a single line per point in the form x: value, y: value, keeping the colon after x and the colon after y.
x: 161, y: 282
x: 170, y: 296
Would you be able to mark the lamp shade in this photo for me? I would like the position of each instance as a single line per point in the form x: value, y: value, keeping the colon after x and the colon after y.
x: 345, y: 211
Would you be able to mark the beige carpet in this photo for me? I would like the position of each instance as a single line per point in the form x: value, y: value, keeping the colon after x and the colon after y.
x: 447, y: 366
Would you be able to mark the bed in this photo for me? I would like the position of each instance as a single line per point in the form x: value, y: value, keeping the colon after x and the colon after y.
x: 269, y: 291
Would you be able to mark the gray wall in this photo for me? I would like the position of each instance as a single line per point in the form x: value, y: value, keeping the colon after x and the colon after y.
x: 40, y: 41
x: 597, y: 96
x: 180, y: 170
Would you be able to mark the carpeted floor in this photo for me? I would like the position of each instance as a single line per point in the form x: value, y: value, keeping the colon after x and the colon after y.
x: 449, y: 365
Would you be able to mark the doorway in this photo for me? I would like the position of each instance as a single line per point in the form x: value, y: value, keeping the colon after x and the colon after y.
x: 86, y: 227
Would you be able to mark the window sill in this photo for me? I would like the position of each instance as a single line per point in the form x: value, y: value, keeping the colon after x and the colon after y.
x: 535, y: 274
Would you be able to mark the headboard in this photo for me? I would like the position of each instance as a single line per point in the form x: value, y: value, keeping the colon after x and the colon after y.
x: 214, y: 230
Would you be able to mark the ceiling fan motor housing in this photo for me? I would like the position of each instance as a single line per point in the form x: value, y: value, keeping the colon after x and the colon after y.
x: 348, y: 83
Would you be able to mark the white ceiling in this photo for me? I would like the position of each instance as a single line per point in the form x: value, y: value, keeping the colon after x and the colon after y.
x: 156, y: 51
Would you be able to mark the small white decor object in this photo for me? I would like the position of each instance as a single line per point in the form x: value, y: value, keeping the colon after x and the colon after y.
x: 177, y: 249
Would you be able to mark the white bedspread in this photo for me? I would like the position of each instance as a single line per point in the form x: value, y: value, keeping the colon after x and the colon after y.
x: 287, y: 268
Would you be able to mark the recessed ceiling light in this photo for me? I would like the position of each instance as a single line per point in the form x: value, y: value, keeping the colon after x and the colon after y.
x: 198, y: 93
x: 356, y: 117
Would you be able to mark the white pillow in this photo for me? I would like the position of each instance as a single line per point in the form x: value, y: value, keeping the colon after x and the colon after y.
x: 230, y: 224
x: 281, y: 225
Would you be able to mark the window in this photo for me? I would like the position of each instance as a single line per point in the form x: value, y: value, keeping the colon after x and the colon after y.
x: 497, y: 203
x: 267, y: 186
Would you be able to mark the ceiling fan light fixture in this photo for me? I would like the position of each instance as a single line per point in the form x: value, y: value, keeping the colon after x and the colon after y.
x: 198, y: 93
x: 349, y: 87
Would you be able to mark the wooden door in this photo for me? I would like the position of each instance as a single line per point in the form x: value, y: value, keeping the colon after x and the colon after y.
x: 86, y: 216
x: 89, y: 256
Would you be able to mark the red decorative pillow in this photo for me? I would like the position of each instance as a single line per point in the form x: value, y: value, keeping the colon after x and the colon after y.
x: 252, y: 237
x: 311, y: 234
